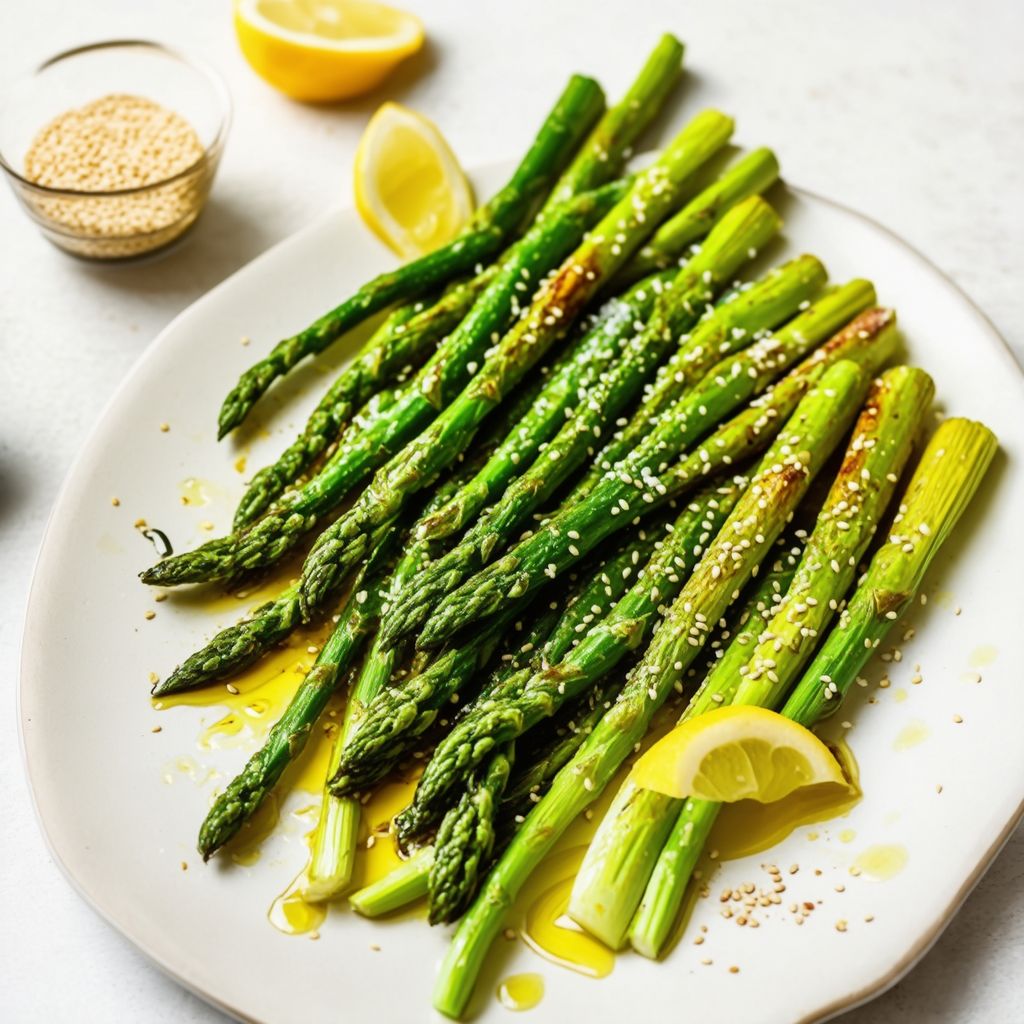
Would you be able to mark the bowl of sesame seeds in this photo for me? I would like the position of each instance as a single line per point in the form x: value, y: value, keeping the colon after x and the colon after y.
x: 112, y: 148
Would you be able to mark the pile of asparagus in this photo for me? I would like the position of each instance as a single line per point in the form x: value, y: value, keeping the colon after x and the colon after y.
x: 568, y: 464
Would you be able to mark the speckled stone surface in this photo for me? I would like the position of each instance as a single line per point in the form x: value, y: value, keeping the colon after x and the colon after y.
x: 910, y: 112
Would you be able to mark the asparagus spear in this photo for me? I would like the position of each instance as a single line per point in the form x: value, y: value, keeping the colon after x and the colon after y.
x: 399, y: 714
x: 402, y: 341
x: 622, y: 857
x: 530, y: 698
x: 742, y: 543
x: 773, y: 303
x: 405, y: 884
x: 502, y: 216
x: 244, y: 794
x: 439, y: 380
x: 751, y: 176
x: 868, y: 340
x: 676, y: 310
x: 944, y: 482
x: 634, y: 483
x: 603, y: 155
x: 597, y: 346
x: 557, y: 305
x: 465, y: 840
x: 332, y: 851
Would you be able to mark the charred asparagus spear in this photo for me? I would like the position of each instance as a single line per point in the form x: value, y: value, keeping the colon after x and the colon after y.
x: 401, y: 343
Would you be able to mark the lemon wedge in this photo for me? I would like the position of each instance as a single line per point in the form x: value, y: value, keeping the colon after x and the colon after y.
x: 410, y: 189
x: 322, y: 50
x: 737, y: 753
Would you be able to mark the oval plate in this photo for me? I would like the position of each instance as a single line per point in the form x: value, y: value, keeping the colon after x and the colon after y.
x: 98, y: 771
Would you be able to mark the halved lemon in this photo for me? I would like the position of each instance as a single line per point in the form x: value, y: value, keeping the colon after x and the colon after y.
x: 410, y: 189
x: 737, y: 753
x: 322, y: 50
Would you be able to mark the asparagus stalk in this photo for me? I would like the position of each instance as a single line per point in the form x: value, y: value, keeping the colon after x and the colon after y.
x: 635, y: 482
x: 868, y: 340
x: 944, y: 482
x: 434, y: 386
x: 401, y: 342
x: 530, y: 698
x: 554, y: 747
x: 501, y: 217
x: 244, y: 794
x: 466, y: 837
x: 676, y: 310
x: 332, y: 851
x: 399, y: 714
x: 608, y: 146
x: 598, y: 345
x: 465, y: 840
x: 405, y: 884
x: 728, y: 562
x: 746, y: 315
x: 626, y: 847
x: 751, y: 176
x: 557, y: 305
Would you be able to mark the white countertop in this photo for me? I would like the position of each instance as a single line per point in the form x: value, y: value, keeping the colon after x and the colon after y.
x: 910, y: 112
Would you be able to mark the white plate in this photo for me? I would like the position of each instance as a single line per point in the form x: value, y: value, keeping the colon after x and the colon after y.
x: 121, y: 833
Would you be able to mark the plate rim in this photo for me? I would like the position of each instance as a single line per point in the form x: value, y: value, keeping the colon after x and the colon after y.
x: 861, y: 996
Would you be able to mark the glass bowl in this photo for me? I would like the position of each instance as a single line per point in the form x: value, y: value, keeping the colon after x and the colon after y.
x: 130, y: 222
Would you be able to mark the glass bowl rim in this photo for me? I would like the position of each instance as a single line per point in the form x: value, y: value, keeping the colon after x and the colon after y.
x: 213, y: 79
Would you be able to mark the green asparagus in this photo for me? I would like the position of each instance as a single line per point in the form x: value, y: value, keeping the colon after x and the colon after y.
x: 622, y: 493
x: 244, y: 794
x: 728, y: 562
x: 402, y: 341
x: 622, y: 856
x: 606, y: 149
x: 676, y: 311
x: 556, y: 307
x: 751, y: 176
x: 579, y: 106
